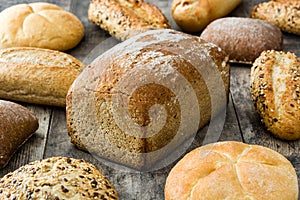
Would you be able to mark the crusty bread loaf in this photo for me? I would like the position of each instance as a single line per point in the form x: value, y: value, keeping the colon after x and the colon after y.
x: 195, y: 15
x: 35, y: 75
x: 275, y: 88
x: 140, y: 100
x: 17, y: 124
x: 283, y: 13
x: 42, y: 25
x: 243, y: 38
x: 232, y: 170
x: 126, y: 18
x: 56, y: 178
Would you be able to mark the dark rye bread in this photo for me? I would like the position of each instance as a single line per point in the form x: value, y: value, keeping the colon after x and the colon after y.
x: 57, y: 178
x: 17, y: 124
x: 243, y: 38
x: 126, y: 18
x: 275, y: 89
x: 114, y: 106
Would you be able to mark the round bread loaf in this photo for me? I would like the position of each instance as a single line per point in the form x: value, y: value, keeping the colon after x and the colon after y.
x: 56, y: 178
x: 243, y: 38
x: 17, y: 125
x: 42, y: 25
x: 232, y: 170
x: 140, y: 100
x: 275, y: 88
x: 283, y: 13
x: 195, y: 15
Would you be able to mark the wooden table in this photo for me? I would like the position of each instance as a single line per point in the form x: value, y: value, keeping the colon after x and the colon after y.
x: 242, y: 122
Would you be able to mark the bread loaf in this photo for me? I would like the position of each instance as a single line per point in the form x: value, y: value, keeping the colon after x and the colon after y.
x: 243, y: 38
x: 17, y: 124
x: 283, y: 13
x: 56, y: 178
x: 140, y: 100
x: 275, y: 89
x: 42, y: 25
x: 195, y: 15
x: 126, y: 18
x: 232, y: 170
x: 35, y: 75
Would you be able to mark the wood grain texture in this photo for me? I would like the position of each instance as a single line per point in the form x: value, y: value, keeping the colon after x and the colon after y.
x: 242, y: 122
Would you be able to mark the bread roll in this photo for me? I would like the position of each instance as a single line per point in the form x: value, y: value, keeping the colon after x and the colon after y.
x: 195, y: 15
x: 126, y: 18
x: 144, y: 97
x: 17, y: 124
x: 232, y: 170
x: 35, y: 75
x: 243, y: 38
x: 283, y: 13
x: 56, y: 178
x: 275, y: 89
x: 42, y: 25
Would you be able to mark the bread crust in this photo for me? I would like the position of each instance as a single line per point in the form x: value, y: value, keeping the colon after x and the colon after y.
x: 232, y: 170
x: 126, y: 18
x: 195, y: 15
x: 243, y: 39
x: 275, y: 89
x: 283, y: 13
x: 57, y: 178
x: 42, y: 25
x: 36, y: 75
x: 17, y: 125
x: 150, y: 62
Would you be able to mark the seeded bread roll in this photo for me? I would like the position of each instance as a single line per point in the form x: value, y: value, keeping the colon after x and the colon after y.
x: 140, y: 100
x: 243, y: 38
x: 126, y: 18
x: 17, y: 124
x: 195, y: 15
x: 232, y: 170
x: 275, y: 88
x: 38, y: 76
x: 283, y: 13
x: 56, y: 178
x: 42, y: 25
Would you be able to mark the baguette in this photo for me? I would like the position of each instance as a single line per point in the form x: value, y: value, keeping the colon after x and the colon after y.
x: 126, y: 18
x: 17, y: 124
x: 38, y: 76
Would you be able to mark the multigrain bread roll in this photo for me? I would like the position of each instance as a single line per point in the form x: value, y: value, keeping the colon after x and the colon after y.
x: 56, y: 178
x: 195, y: 15
x: 17, y: 125
x: 283, y: 13
x: 140, y: 100
x: 126, y: 18
x: 38, y: 76
x: 243, y: 38
x: 232, y: 170
x: 275, y: 89
x: 42, y: 25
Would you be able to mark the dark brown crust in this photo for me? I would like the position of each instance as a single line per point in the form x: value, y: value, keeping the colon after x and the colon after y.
x: 126, y: 18
x: 243, y: 38
x: 17, y: 125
